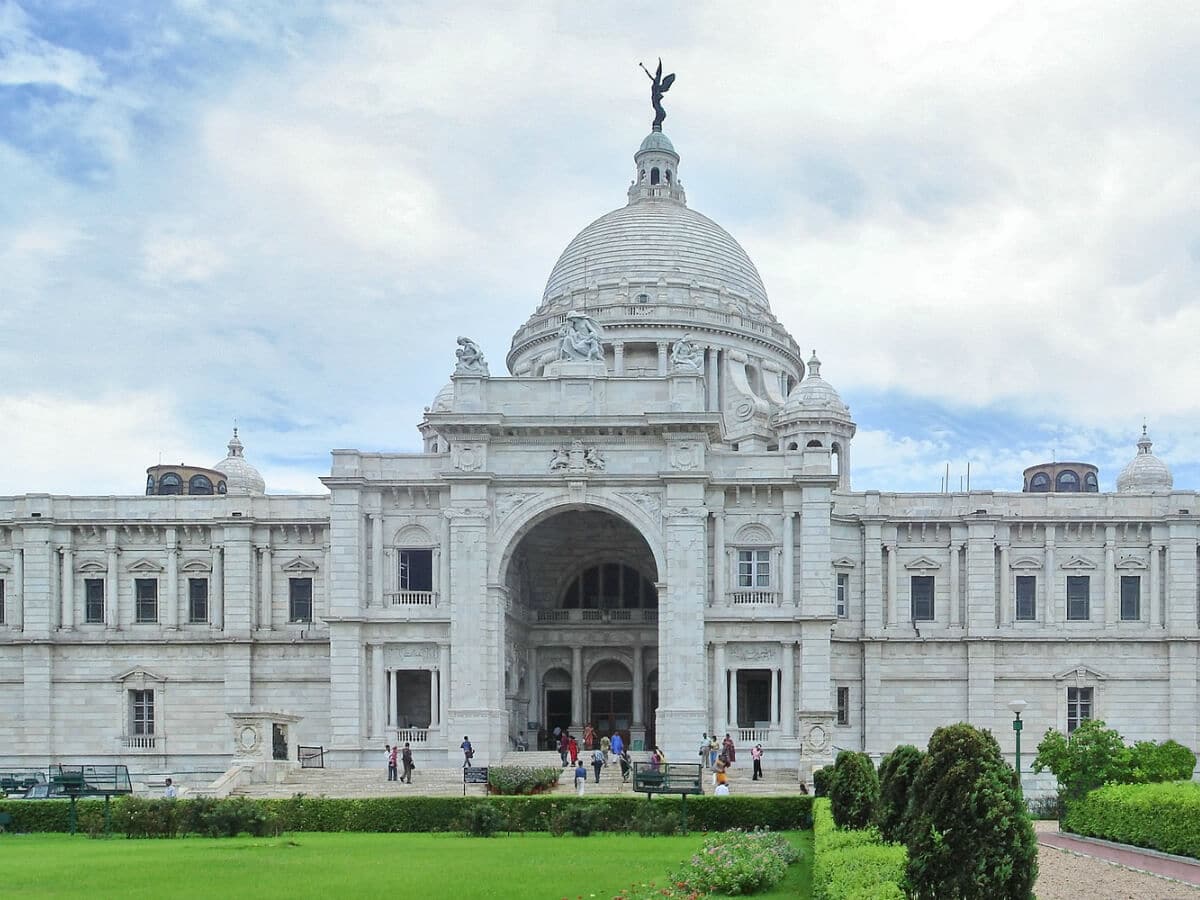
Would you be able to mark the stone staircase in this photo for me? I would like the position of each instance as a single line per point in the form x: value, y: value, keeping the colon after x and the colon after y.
x: 448, y: 781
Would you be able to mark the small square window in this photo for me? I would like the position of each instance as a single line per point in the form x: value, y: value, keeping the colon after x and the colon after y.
x: 1079, y: 706
x: 198, y: 600
x: 843, y: 595
x: 146, y: 599
x: 843, y: 706
x: 1079, y: 598
x: 922, y: 598
x: 1131, y: 598
x: 93, y: 601
x: 300, y: 599
x: 1026, y: 598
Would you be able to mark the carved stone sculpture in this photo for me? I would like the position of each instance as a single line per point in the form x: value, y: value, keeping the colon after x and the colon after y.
x: 579, y: 339
x: 470, y: 358
x: 686, y: 357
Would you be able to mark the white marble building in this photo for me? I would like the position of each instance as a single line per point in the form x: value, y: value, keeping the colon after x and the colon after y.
x: 649, y: 525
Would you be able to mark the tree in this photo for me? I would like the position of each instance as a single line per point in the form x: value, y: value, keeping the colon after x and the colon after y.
x: 970, y: 835
x: 854, y: 790
x: 896, y: 773
x: 1168, y: 761
x: 1092, y: 756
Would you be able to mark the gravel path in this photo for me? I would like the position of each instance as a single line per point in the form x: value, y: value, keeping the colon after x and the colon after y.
x: 1066, y: 876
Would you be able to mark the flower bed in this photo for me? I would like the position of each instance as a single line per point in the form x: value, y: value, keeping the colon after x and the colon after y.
x: 853, y: 865
x: 522, y: 779
x: 732, y: 864
x: 1162, y: 817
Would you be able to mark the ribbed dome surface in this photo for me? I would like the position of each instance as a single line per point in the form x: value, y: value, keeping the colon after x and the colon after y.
x: 240, y: 476
x: 815, y: 395
x: 653, y: 239
x: 1145, y: 473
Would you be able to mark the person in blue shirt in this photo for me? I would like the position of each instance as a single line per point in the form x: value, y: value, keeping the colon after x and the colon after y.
x: 617, y: 746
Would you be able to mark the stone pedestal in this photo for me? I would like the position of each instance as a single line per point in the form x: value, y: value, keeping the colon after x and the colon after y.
x: 259, y: 740
x: 595, y: 368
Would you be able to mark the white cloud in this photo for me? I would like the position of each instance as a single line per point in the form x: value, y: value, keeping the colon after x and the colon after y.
x: 26, y: 59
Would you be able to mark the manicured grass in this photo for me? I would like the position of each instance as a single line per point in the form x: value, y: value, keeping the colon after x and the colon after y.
x: 519, y: 866
x: 797, y: 885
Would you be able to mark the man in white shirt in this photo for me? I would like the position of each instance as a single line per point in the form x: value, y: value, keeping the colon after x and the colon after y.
x: 170, y: 792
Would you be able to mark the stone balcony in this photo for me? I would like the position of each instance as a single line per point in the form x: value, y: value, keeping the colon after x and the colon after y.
x: 595, y: 616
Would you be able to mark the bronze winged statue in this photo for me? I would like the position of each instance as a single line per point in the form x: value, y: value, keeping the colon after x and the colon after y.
x: 658, y: 86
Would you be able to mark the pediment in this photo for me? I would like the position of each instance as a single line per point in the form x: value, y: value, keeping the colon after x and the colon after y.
x: 139, y: 674
x: 299, y: 564
x: 1080, y: 673
x: 922, y: 564
x: 754, y: 534
x: 91, y: 567
x: 196, y: 565
x: 1078, y: 562
x: 144, y: 565
x: 844, y: 562
x: 1026, y: 562
x: 1131, y: 562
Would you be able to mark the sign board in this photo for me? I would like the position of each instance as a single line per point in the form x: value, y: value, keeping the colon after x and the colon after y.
x: 474, y: 775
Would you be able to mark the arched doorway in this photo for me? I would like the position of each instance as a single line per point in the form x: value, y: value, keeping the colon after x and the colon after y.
x: 582, y: 592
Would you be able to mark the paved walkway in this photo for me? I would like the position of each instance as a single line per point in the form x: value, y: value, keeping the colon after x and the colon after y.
x: 1060, y: 877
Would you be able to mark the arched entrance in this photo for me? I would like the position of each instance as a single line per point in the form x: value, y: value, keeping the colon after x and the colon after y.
x: 582, y: 597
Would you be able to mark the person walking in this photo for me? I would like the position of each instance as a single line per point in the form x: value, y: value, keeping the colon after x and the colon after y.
x: 597, y: 762
x: 605, y: 747
x: 468, y: 751
x: 756, y: 756
x: 170, y: 792
x: 655, y: 761
x: 573, y: 749
x: 626, y: 764
x: 580, y: 777
x: 589, y: 736
x: 714, y: 750
x: 389, y: 757
x: 719, y: 768
x: 703, y: 748
x: 729, y: 750
x: 564, y: 747
x: 407, y: 760
x: 617, y: 745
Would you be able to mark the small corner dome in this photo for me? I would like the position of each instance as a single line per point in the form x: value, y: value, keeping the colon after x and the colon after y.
x: 241, y: 477
x: 657, y: 141
x: 1145, y: 473
x: 444, y: 400
x: 814, y: 395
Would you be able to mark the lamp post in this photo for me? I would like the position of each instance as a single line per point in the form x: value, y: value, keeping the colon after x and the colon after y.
x: 1017, y: 706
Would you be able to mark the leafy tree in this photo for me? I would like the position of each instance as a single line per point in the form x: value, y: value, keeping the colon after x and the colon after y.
x: 854, y: 790
x: 896, y: 773
x: 821, y: 778
x: 970, y: 835
x: 1168, y: 761
x: 1092, y: 756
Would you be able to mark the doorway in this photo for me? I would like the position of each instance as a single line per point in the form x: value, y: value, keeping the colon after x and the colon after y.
x: 558, y: 710
x: 612, y: 711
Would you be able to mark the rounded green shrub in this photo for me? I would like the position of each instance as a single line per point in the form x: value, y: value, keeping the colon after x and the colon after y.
x: 482, y: 820
x: 970, y: 835
x: 854, y: 790
x: 896, y: 773
x: 821, y: 778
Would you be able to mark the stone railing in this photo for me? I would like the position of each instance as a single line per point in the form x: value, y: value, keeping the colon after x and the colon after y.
x: 753, y: 735
x: 597, y: 616
x: 753, y: 598
x: 412, y: 735
x: 412, y: 598
x: 142, y: 742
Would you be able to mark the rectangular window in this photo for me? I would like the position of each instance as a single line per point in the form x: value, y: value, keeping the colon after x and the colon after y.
x: 300, y: 599
x: 843, y: 706
x: 197, y: 600
x: 1131, y: 598
x: 754, y: 569
x: 146, y: 599
x: 416, y: 570
x: 1026, y: 598
x: 1079, y: 598
x: 93, y: 601
x: 1079, y: 706
x: 843, y: 595
x: 141, y: 713
x: 922, y: 598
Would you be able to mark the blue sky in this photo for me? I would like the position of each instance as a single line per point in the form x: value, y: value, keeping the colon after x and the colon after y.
x: 985, y: 217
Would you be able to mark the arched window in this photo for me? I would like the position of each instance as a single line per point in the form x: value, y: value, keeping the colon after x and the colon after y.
x: 170, y: 484
x: 1039, y: 483
x: 813, y: 443
x: 793, y: 446
x: 610, y: 586
x: 200, y: 484
x: 1067, y: 482
x: 1090, y: 484
x: 668, y: 176
x: 149, y: 485
x: 654, y: 175
x: 835, y: 458
x: 642, y: 176
x: 221, y: 488
x: 643, y: 298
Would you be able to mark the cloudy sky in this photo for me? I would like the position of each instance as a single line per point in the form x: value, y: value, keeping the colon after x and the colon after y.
x: 985, y: 216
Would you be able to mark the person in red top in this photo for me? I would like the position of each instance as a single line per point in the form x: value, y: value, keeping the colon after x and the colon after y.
x: 573, y: 747
x: 564, y: 747
x: 729, y: 749
x: 589, y: 736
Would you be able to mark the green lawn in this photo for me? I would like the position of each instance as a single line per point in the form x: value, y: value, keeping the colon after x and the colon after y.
x: 522, y: 867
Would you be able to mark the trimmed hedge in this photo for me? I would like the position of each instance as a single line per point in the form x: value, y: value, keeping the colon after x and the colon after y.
x: 854, y: 790
x: 421, y: 814
x: 1164, y: 816
x: 853, y: 865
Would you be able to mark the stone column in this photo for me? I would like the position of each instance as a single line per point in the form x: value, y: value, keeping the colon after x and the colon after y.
x: 392, y: 680
x: 377, y: 560
x: 873, y: 613
x: 681, y: 659
x: 535, y: 686
x: 216, y: 591
x: 576, y: 688
x: 1007, y: 614
x: 1112, y: 605
x: 955, y: 590
x: 443, y: 596
x: 1048, y: 613
x: 16, y: 594
x: 662, y: 357
x: 893, y: 599
x: 714, y: 402
x: 1156, y: 609
x: 618, y: 359
x: 639, y: 688
x: 788, y: 690
x: 112, y: 581
x: 789, y: 559
x: 377, y: 717
x: 433, y: 697
x: 172, y: 611
x: 443, y: 678
x: 719, y: 574
x: 775, y: 688
x: 67, y: 583
x: 720, y: 690
x: 733, y: 698
x: 264, y: 572
x: 981, y: 577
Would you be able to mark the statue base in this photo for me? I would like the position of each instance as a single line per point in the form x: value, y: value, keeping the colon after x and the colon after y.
x: 583, y: 368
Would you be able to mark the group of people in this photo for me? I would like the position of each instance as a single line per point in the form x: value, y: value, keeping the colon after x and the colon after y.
x: 398, y: 756
x: 601, y: 753
x: 720, y: 756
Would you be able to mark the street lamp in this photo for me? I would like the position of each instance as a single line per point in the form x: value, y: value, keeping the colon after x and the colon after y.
x: 1017, y: 706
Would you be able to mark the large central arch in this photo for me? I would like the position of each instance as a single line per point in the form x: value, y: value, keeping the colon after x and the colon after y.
x: 581, y: 581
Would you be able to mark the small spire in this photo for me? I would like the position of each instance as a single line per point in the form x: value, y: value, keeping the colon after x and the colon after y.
x: 235, y: 446
x: 814, y: 366
x: 1144, y: 444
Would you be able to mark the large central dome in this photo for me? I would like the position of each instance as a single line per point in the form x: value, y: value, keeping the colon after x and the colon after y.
x: 655, y: 239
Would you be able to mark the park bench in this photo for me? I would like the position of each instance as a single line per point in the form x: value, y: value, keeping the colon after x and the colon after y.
x: 677, y: 778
